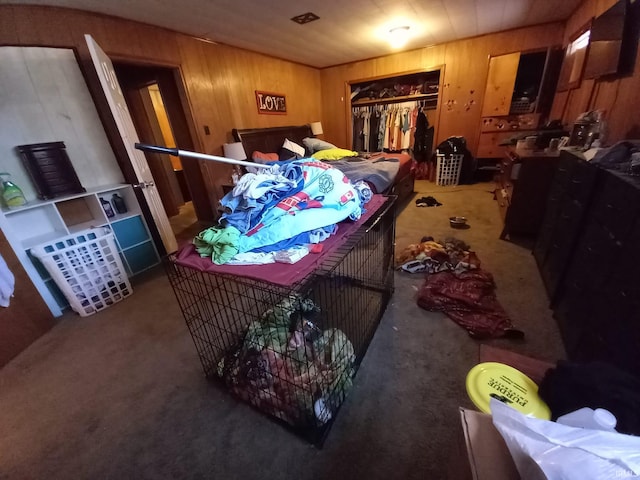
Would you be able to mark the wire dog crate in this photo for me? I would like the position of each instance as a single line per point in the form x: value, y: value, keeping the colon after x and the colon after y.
x: 292, y: 351
x: 87, y: 267
x: 448, y: 168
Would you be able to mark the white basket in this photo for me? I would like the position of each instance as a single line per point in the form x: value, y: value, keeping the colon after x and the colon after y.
x: 448, y: 169
x: 87, y: 267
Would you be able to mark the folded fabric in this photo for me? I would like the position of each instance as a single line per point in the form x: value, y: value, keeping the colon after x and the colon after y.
x: 260, y: 157
x: 333, y: 154
x: 219, y: 243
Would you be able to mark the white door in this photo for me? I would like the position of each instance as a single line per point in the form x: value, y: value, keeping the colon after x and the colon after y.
x: 120, y: 112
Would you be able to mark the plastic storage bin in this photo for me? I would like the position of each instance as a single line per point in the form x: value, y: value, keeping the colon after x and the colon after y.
x: 87, y: 268
x: 448, y: 168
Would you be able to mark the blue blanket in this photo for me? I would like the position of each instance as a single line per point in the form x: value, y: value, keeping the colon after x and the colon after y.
x: 380, y: 172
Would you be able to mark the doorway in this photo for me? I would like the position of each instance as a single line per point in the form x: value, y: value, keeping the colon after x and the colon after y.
x: 155, y: 102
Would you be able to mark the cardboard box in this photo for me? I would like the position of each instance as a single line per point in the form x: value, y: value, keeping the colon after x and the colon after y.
x: 487, y: 453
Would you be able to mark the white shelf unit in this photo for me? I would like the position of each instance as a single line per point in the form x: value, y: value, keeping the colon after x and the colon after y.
x: 43, y: 221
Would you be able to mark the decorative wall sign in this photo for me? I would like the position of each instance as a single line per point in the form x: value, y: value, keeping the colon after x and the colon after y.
x: 271, y: 103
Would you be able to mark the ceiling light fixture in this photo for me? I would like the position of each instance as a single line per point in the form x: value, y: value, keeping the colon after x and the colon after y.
x: 398, y: 36
x: 305, y: 18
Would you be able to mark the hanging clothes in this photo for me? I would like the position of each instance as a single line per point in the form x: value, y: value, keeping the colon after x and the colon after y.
x: 358, y: 126
x: 373, y: 131
x: 366, y: 115
x: 382, y: 128
x: 406, y: 129
x: 423, y: 144
x: 387, y: 127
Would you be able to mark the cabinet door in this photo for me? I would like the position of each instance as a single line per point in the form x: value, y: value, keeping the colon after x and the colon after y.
x: 27, y: 316
x: 500, y: 82
x: 489, y: 144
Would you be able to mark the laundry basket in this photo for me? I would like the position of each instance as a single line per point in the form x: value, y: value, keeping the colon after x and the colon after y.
x: 87, y: 267
x: 448, y: 168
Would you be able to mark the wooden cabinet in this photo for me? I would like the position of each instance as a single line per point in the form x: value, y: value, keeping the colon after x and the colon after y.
x: 587, y: 253
x: 522, y: 188
x: 44, y: 221
x: 518, y: 94
x: 501, y: 81
x: 27, y: 316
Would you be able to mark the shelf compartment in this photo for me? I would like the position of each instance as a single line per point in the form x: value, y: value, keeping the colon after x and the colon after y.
x: 130, y: 201
x: 130, y: 231
x: 37, y: 225
x: 141, y: 257
x: 81, y: 213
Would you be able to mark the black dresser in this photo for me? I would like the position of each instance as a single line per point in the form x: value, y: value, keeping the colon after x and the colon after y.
x: 588, y: 253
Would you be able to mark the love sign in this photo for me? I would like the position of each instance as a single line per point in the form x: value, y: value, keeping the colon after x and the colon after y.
x: 271, y: 103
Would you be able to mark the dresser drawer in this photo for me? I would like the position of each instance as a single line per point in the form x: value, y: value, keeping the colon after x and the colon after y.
x: 625, y: 273
x: 616, y: 206
x: 594, y: 259
x: 581, y: 181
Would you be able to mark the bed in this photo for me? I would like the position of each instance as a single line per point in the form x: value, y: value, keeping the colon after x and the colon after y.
x: 270, y: 140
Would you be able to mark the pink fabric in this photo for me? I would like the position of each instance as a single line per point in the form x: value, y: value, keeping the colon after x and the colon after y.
x: 281, y: 273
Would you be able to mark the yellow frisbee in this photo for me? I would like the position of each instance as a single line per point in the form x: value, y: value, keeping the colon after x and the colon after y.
x: 510, y: 386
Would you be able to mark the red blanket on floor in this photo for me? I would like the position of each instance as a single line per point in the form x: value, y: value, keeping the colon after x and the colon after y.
x: 469, y: 299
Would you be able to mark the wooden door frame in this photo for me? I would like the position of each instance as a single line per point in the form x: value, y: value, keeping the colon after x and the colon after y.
x: 187, y: 138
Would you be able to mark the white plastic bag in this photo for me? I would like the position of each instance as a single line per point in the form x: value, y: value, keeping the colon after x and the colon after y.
x: 564, y: 452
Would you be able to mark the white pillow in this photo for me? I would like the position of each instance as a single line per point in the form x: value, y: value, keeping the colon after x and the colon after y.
x: 315, y: 144
x: 294, y: 147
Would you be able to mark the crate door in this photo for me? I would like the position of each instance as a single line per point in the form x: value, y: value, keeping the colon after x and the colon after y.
x: 113, y: 92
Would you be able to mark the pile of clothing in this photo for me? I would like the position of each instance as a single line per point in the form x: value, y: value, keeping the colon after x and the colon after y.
x: 289, y: 204
x: 458, y: 287
x: 289, y: 368
x: 432, y: 257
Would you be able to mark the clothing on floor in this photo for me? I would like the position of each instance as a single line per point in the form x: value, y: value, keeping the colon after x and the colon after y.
x: 427, y: 202
x: 469, y: 299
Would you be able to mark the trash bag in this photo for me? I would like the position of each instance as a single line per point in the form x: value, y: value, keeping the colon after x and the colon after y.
x: 458, y: 145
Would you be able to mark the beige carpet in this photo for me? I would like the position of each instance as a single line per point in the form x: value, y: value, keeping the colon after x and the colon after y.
x: 121, y: 394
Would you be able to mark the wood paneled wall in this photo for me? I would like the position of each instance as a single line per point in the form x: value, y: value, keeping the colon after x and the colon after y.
x: 617, y: 96
x: 465, y: 73
x: 219, y: 80
x: 27, y: 317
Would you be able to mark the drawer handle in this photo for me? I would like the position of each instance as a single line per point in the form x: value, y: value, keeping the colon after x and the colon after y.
x: 562, y: 169
x: 610, y: 206
x: 576, y: 182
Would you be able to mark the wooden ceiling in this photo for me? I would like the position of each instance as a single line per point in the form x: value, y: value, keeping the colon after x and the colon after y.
x: 346, y: 31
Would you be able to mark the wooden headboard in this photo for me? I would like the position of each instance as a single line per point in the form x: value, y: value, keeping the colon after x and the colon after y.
x: 270, y: 140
